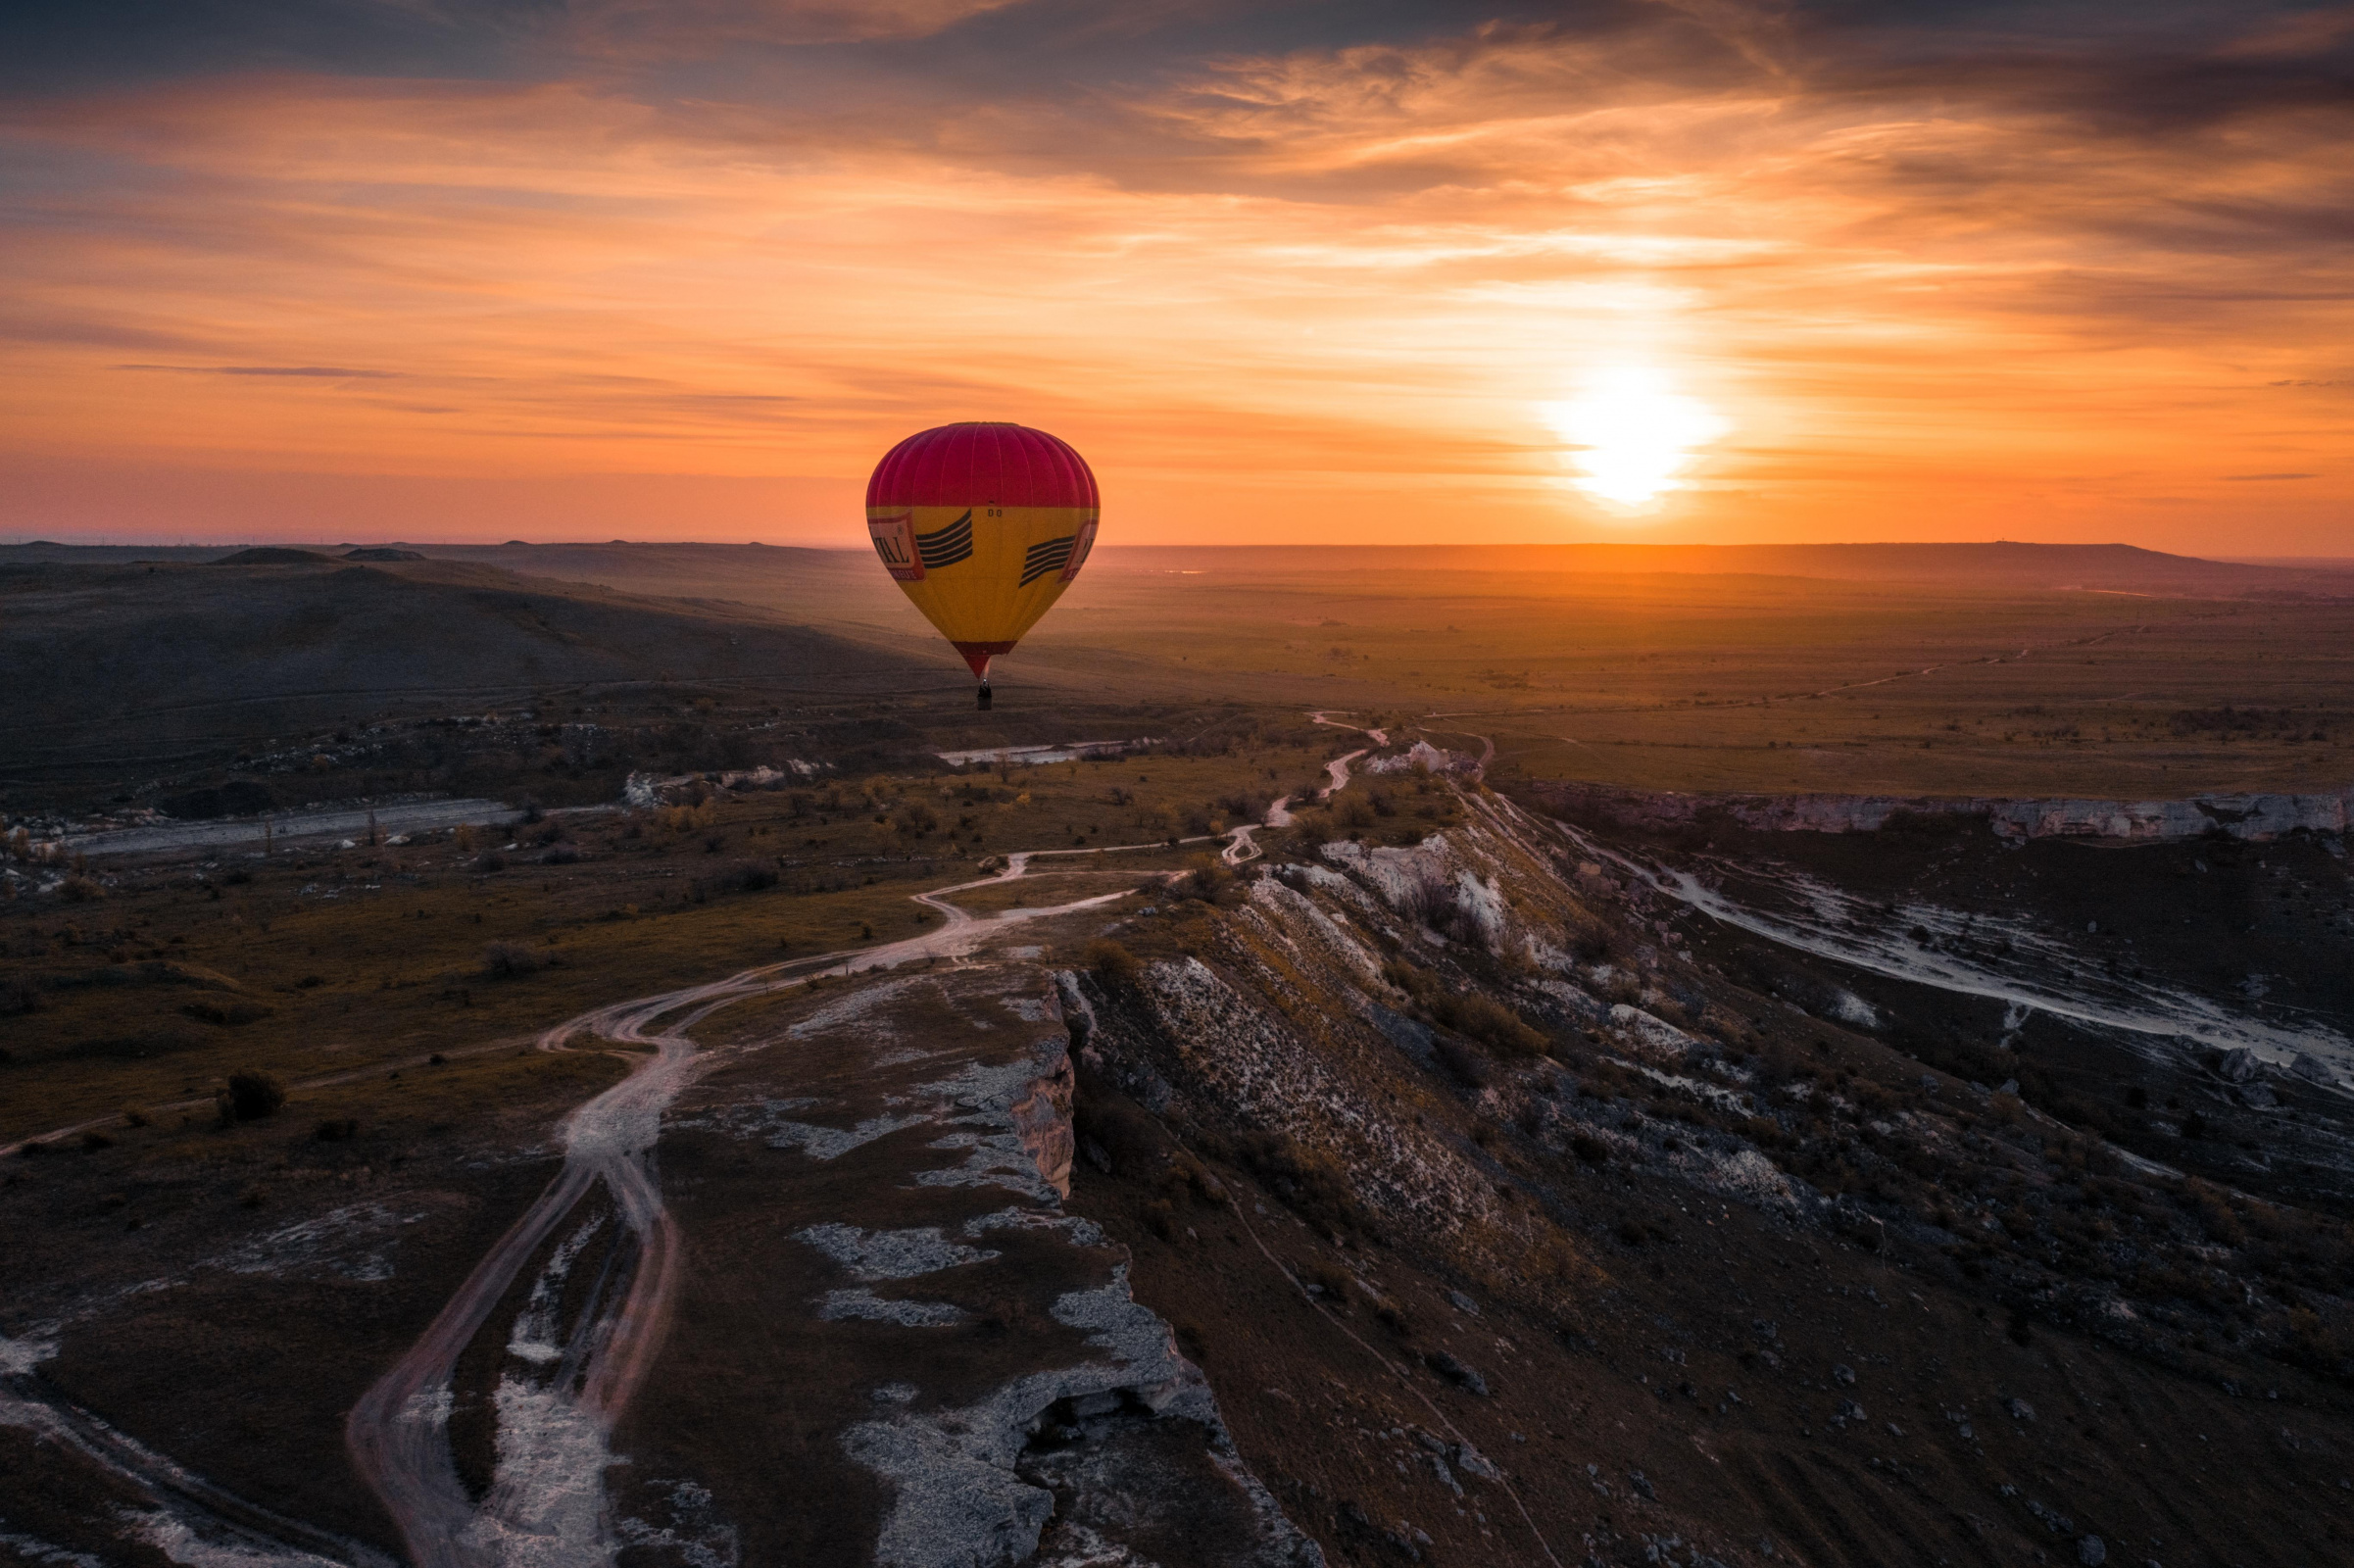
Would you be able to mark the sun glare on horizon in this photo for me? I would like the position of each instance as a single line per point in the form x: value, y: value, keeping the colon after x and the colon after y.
x: 1633, y: 434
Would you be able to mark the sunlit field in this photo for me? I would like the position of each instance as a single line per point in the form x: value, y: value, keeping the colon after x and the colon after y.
x: 1692, y: 683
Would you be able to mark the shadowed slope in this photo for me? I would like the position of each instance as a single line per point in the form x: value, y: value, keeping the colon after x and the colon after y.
x: 148, y: 664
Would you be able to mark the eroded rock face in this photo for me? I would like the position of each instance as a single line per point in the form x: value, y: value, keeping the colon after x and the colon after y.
x: 2256, y: 817
x: 966, y: 1370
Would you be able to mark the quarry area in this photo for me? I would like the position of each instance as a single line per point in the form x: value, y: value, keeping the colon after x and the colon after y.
x: 1172, y: 1131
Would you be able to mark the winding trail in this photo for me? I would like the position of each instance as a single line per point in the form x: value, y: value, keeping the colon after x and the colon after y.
x: 1239, y: 847
x: 547, y: 1499
x: 398, y: 1434
x: 1849, y: 930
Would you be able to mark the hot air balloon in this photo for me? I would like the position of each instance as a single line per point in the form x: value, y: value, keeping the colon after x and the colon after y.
x: 982, y: 526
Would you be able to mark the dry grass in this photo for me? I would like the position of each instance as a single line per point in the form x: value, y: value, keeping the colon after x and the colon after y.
x: 376, y: 955
x: 324, y: 962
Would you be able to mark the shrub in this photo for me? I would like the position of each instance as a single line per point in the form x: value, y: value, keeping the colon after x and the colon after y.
x: 1492, y: 1025
x: 251, y: 1095
x: 19, y: 994
x: 1245, y: 806
x: 1111, y: 963
x: 1212, y: 883
x: 1330, y: 1282
x: 1431, y: 902
x: 1416, y: 983
x: 1311, y: 831
x: 228, y: 1013
x: 743, y: 878
x: 1466, y: 1066
x: 1130, y: 1139
x: 491, y: 860
x: 337, y: 1130
x: 508, y: 959
x: 1589, y: 1149
x: 683, y: 818
x: 1594, y: 944
x: 82, y: 890
x: 1310, y: 1181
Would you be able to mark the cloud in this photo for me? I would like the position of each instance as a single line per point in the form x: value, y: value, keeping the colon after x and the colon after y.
x: 1936, y: 263
x: 634, y: 31
x: 310, y: 371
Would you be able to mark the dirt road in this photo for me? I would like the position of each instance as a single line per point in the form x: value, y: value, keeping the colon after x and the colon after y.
x: 550, y: 1490
x: 548, y: 1502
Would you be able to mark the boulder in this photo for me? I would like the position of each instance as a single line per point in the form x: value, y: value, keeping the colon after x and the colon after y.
x: 1460, y: 1373
x: 1472, y: 1462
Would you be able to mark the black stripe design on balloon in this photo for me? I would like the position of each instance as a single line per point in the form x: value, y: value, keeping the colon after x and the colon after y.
x: 1051, y: 556
x: 945, y: 546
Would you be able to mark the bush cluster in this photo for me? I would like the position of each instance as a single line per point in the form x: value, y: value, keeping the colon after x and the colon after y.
x: 1111, y: 963
x: 506, y: 960
x: 745, y: 877
x: 250, y: 1096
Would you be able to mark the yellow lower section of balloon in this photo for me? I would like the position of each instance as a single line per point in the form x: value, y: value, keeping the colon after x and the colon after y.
x: 982, y: 574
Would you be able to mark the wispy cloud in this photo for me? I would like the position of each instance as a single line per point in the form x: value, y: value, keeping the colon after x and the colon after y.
x: 1944, y: 270
x: 324, y: 373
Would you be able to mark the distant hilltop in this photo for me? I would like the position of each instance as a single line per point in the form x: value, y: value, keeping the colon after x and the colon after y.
x: 1997, y: 564
x: 728, y: 568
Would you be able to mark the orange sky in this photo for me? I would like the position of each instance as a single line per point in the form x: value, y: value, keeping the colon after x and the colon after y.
x: 685, y: 272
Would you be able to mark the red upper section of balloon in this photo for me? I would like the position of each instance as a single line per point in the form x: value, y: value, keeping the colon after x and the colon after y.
x: 982, y: 465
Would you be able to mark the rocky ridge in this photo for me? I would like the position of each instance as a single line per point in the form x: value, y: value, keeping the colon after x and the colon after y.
x: 2255, y: 817
x: 1464, y: 1070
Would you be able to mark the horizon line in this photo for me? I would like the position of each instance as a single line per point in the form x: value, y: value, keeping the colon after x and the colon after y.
x: 105, y: 542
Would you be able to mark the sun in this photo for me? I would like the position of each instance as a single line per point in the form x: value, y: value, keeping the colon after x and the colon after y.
x: 1632, y: 435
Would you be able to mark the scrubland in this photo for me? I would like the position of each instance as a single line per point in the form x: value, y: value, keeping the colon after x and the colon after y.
x: 1474, y: 1172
